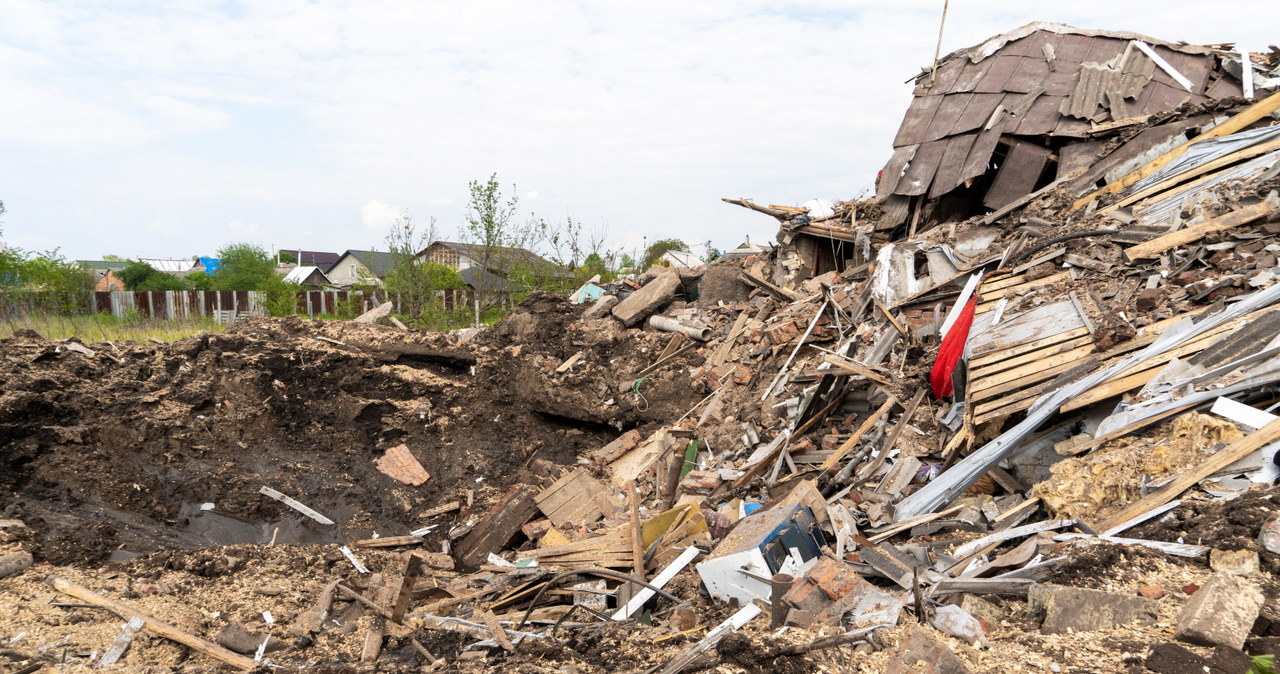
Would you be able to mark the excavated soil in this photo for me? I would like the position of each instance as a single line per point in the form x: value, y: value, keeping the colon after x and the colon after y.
x: 106, y: 460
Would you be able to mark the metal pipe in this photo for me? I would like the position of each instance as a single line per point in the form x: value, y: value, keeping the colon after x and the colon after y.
x: 672, y: 325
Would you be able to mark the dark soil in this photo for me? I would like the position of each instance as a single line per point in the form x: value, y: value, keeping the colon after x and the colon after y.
x: 107, y: 460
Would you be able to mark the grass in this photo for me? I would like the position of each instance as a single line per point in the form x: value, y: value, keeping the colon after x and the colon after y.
x: 106, y: 328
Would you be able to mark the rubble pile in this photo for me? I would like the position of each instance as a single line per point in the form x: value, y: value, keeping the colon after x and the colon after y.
x: 1022, y: 421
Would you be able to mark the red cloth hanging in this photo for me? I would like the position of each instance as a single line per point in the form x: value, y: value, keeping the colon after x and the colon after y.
x: 950, y: 351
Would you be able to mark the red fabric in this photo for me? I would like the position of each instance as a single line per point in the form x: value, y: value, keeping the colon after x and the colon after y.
x: 951, y: 350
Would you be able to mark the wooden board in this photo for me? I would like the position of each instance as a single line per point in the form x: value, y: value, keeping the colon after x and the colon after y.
x: 498, y: 527
x: 575, y: 498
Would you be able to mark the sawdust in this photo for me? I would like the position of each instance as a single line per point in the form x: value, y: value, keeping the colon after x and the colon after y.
x: 1096, y: 485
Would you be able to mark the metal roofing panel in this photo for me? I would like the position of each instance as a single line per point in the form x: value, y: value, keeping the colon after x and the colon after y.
x: 1018, y: 175
x: 1031, y: 73
x: 950, y: 110
x: 979, y: 158
x: 951, y: 167
x: 1042, y: 118
x: 946, y: 78
x: 971, y: 74
x: 998, y: 74
x: 1225, y: 87
x: 1072, y: 128
x: 978, y: 111
x: 1071, y: 49
x: 916, y: 121
x: 920, y: 171
x: 892, y: 171
x: 1193, y: 67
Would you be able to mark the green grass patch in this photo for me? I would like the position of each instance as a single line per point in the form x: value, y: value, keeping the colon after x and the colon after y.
x: 107, y: 328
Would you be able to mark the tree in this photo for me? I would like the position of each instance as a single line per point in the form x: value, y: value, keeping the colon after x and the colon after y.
x: 112, y: 257
x: 142, y: 276
x: 491, y: 224
x: 285, y: 257
x: 713, y: 254
x: 627, y: 262
x: 245, y: 266
x: 658, y: 248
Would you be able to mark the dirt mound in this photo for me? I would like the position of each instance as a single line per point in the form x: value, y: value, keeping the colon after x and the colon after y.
x: 148, y: 447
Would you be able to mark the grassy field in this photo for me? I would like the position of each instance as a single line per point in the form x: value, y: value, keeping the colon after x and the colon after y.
x: 105, y: 328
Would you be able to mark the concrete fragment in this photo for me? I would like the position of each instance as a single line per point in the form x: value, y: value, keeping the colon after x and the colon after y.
x: 1072, y: 609
x: 981, y: 608
x: 643, y: 302
x: 600, y: 308
x: 1234, y: 562
x: 1269, y: 536
x: 1221, y: 613
x: 238, y: 638
x: 958, y: 623
x: 923, y: 652
x: 13, y: 562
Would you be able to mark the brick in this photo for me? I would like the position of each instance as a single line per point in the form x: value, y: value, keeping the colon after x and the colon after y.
x: 1151, y: 591
x: 1072, y: 609
x: 1221, y: 613
x: 923, y: 652
x: 643, y: 302
x: 1148, y: 299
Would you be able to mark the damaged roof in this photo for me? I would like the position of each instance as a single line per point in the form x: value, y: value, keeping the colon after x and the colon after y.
x: 1043, y: 81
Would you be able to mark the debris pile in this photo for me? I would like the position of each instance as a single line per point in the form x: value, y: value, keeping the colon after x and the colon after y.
x: 918, y: 435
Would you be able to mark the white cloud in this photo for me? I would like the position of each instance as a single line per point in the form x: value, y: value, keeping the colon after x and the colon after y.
x: 379, y: 215
x: 167, y: 120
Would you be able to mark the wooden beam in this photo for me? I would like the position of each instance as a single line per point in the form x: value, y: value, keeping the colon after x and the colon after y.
x: 1248, y: 116
x: 1182, y: 237
x: 152, y: 625
x: 854, y: 367
x: 857, y: 435
x: 1223, y: 458
x: 1170, y: 183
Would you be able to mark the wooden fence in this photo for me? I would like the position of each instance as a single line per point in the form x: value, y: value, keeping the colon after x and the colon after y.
x: 223, y: 306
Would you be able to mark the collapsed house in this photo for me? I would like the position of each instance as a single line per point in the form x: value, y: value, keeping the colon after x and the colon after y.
x: 1012, y: 414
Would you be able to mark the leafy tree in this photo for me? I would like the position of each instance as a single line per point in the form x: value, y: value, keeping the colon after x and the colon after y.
x: 113, y: 257
x: 20, y: 270
x: 286, y: 257
x: 627, y: 262
x: 200, y: 280
x: 658, y: 248
x: 491, y: 223
x: 135, y: 273
x: 142, y: 276
x: 282, y: 296
x: 713, y: 253
x: 245, y: 266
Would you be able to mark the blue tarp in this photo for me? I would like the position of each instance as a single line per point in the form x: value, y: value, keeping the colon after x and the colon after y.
x: 211, y: 264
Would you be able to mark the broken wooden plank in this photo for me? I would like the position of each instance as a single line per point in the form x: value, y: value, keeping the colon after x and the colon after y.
x: 722, y: 352
x: 495, y: 628
x: 295, y: 504
x: 1242, y: 120
x: 571, y: 361
x: 408, y: 577
x: 853, y: 366
x: 1181, y: 237
x: 575, y: 498
x: 441, y: 509
x: 151, y: 624
x: 387, y: 542
x: 638, y: 599
x: 375, y: 314
x: 497, y: 527
x: 1223, y: 458
x: 849, y: 444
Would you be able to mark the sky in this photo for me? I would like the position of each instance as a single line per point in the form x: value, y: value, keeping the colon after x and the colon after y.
x: 170, y: 129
